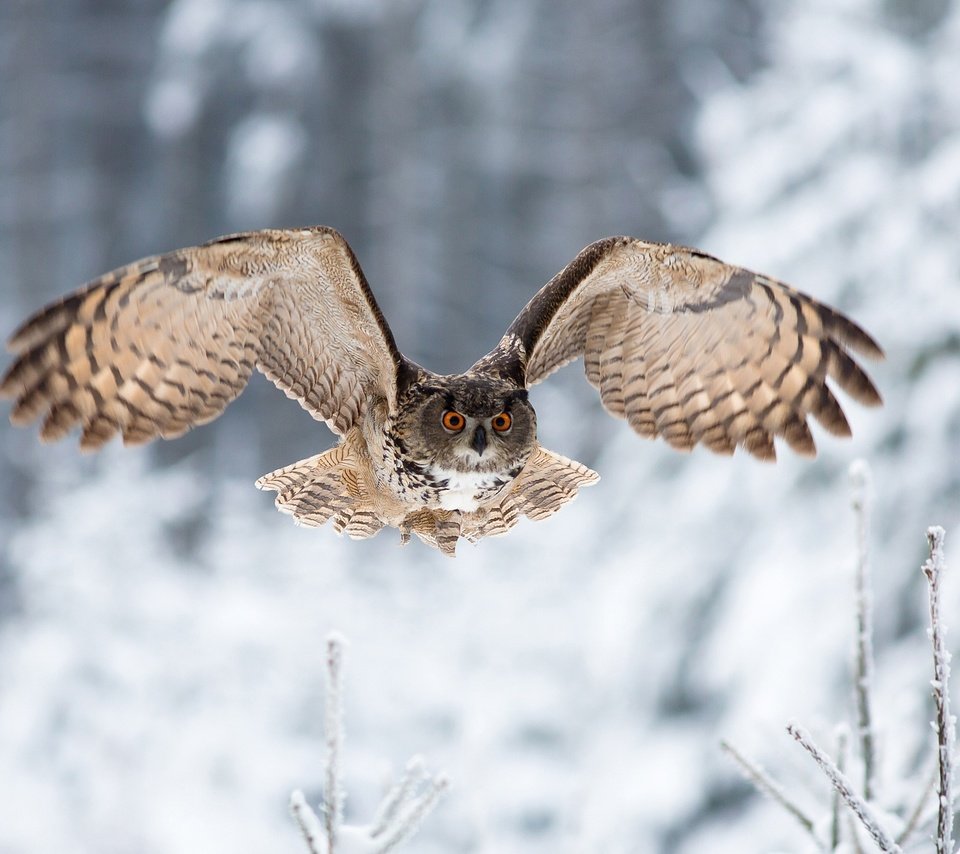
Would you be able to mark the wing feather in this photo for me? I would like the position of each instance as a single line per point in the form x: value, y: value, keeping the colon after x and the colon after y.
x: 692, y: 349
x: 164, y: 344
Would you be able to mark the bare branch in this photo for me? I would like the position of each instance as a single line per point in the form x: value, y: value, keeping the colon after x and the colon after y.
x: 837, y: 801
x: 914, y: 819
x: 860, y: 483
x: 308, y: 823
x: 333, y: 728
x: 410, y: 821
x: 842, y: 785
x: 854, y: 836
x: 397, y: 796
x: 402, y: 810
x: 945, y: 726
x: 767, y: 785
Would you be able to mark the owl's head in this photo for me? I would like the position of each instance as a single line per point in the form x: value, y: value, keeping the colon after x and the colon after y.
x: 468, y: 424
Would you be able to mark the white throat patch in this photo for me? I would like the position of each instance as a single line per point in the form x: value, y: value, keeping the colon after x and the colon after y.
x: 466, y: 490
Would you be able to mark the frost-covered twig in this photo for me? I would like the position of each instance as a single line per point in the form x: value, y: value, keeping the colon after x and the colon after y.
x: 837, y: 801
x: 306, y: 818
x: 842, y: 785
x: 409, y: 813
x: 860, y: 483
x: 766, y: 784
x: 854, y: 836
x: 333, y: 729
x: 945, y: 724
x: 400, y: 814
x: 400, y: 792
x: 916, y: 814
x: 920, y: 815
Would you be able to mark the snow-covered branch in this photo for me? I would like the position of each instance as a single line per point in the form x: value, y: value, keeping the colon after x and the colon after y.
x: 402, y: 810
x: 836, y: 803
x: 916, y: 815
x: 406, y: 805
x: 766, y: 784
x: 832, y: 831
x: 945, y: 724
x: 863, y: 683
x: 842, y: 786
x: 309, y: 825
x: 333, y: 729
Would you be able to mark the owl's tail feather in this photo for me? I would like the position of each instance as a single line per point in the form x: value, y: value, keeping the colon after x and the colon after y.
x: 437, y: 528
x: 325, y: 487
x: 547, y: 482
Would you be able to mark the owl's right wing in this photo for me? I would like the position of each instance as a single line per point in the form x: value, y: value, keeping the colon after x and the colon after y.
x: 166, y: 343
x: 689, y: 348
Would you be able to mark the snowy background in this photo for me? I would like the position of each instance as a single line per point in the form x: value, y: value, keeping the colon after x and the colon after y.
x: 161, y: 627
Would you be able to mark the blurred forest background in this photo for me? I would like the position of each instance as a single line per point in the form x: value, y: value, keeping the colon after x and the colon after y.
x: 161, y: 627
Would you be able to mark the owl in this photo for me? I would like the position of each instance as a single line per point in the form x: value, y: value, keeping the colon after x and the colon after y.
x: 678, y: 343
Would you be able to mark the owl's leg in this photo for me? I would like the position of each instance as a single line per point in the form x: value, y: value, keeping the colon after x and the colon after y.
x: 447, y: 532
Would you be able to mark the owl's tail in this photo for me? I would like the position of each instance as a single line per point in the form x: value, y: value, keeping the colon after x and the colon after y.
x: 325, y: 487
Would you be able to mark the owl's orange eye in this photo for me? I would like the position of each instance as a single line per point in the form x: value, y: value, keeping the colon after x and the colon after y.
x: 453, y: 420
x: 502, y: 422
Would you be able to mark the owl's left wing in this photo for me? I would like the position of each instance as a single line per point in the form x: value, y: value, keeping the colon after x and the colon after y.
x: 687, y: 347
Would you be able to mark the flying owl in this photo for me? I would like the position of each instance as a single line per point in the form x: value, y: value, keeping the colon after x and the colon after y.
x: 678, y: 343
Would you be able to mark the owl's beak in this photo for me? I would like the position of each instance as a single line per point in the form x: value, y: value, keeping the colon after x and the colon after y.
x: 479, y: 440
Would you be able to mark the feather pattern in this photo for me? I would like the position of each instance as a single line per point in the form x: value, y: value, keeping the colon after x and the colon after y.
x: 689, y: 348
x: 164, y: 344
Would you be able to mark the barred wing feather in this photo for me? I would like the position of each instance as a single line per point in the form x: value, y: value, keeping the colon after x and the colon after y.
x: 161, y: 345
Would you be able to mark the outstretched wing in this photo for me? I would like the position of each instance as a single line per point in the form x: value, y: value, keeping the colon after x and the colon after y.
x: 163, y: 344
x: 689, y: 348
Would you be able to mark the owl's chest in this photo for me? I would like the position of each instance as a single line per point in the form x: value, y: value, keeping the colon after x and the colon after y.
x: 433, y: 486
x: 466, y: 491
x: 438, y: 488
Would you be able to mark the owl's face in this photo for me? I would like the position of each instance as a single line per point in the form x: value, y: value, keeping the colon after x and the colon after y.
x: 468, y: 424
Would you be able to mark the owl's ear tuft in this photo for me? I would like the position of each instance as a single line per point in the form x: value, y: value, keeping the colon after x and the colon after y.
x: 407, y: 374
x: 506, y: 362
x: 514, y: 371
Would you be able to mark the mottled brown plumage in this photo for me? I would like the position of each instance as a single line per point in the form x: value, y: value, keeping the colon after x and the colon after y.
x: 678, y: 343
